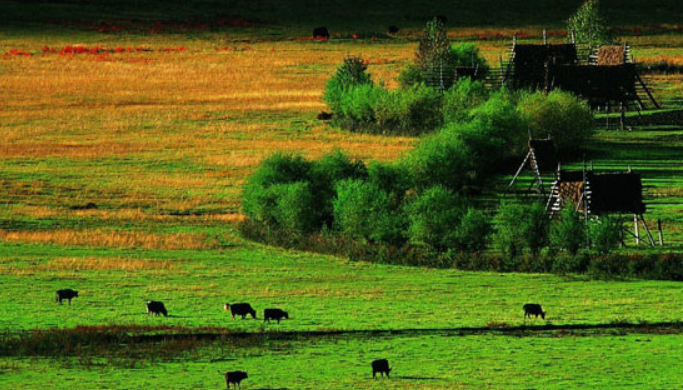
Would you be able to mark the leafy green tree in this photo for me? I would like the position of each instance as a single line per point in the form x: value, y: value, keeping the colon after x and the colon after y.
x: 569, y: 231
x: 435, y: 217
x: 351, y: 73
x: 589, y: 25
x: 362, y: 210
x: 567, y: 119
x: 432, y: 55
x: 507, y: 237
x: 521, y: 226
x: 258, y: 200
x: 605, y: 234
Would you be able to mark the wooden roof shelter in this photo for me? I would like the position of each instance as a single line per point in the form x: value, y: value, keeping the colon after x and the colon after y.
x: 598, y: 193
x: 608, y: 79
x: 601, y: 193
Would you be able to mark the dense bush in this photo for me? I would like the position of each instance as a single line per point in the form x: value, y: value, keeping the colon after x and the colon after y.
x: 519, y: 227
x: 564, y: 117
x: 294, y: 207
x: 350, y: 73
x: 412, y: 111
x: 473, y: 233
x: 605, y: 234
x: 568, y: 232
x: 258, y: 200
x: 325, y: 173
x: 357, y: 106
x: 460, y: 99
x: 500, y: 124
x: 435, y: 218
x: 362, y: 210
x: 467, y: 55
x: 394, y: 178
x: 442, y: 159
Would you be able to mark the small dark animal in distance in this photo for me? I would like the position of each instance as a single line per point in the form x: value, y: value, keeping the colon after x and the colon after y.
x: 381, y: 366
x: 156, y: 308
x: 240, y: 309
x: 393, y: 29
x: 87, y: 206
x: 67, y: 294
x: 324, y: 116
x: 321, y: 33
x: 533, y: 309
x: 274, y: 314
x: 236, y: 378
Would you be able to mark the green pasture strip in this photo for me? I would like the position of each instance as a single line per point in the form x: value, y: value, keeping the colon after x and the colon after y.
x: 320, y: 292
x: 550, y: 361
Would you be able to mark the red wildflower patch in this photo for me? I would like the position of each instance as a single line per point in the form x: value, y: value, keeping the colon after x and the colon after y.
x: 174, y: 49
x: 17, y: 53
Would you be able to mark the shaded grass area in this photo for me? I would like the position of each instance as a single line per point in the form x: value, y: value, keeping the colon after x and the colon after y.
x: 443, y: 361
x: 320, y: 292
x: 303, y: 13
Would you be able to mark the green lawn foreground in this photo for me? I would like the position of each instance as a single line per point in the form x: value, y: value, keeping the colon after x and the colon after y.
x: 320, y: 292
x: 633, y: 361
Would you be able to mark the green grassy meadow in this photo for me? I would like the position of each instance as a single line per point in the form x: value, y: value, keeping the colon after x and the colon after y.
x: 160, y: 140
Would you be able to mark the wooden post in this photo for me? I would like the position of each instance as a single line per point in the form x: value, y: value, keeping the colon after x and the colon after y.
x: 521, y: 166
x: 573, y: 37
x: 623, y: 116
x: 635, y: 229
x: 647, y: 230
x: 545, y: 37
x: 659, y: 232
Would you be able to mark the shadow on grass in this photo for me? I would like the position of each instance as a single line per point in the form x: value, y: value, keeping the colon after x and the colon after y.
x: 417, y: 378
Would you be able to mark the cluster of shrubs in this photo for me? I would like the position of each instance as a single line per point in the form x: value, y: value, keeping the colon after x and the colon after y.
x: 385, y: 203
x: 416, y: 211
x: 360, y: 105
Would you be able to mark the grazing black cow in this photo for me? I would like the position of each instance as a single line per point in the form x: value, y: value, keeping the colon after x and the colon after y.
x: 156, y: 308
x: 393, y: 29
x: 236, y: 378
x: 324, y: 116
x: 240, y: 309
x: 67, y: 294
x: 381, y: 366
x: 533, y: 309
x: 274, y: 314
x: 321, y: 33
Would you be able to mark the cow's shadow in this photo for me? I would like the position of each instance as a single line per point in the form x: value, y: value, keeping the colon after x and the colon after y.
x: 417, y: 378
x: 272, y: 388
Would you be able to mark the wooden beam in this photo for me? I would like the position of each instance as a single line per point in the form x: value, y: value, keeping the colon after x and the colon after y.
x: 647, y: 230
x: 636, y: 234
x: 514, y: 178
x: 659, y: 232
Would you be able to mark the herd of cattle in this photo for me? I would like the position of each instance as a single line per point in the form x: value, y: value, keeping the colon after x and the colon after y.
x: 235, y: 378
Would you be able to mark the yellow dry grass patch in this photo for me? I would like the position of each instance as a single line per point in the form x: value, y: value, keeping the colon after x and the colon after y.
x: 104, y: 264
x: 102, y: 238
